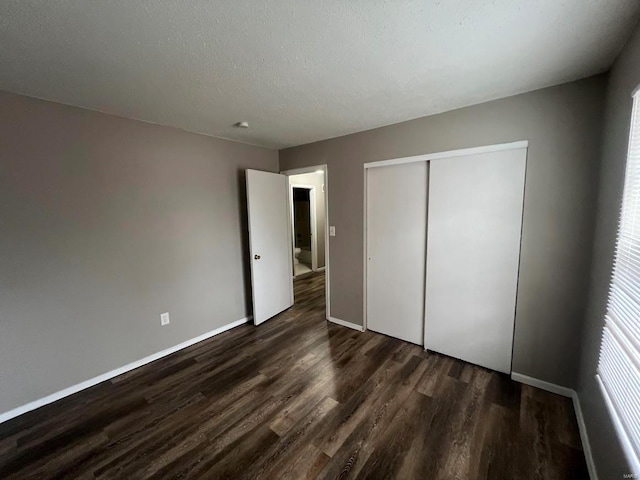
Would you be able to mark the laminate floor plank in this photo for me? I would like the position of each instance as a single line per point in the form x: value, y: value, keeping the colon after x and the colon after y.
x: 355, y: 450
x: 299, y: 398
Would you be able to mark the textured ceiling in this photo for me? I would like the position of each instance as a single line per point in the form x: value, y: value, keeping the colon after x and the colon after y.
x: 300, y: 71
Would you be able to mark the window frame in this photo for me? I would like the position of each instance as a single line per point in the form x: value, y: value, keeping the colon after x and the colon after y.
x: 613, y: 330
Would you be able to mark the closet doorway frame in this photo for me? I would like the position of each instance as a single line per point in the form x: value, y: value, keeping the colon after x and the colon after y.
x: 327, y: 255
x: 416, y: 158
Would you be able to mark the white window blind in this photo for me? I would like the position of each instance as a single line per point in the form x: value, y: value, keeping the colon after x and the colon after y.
x: 619, y: 364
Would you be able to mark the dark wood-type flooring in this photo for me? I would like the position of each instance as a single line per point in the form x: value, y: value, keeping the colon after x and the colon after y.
x: 299, y: 398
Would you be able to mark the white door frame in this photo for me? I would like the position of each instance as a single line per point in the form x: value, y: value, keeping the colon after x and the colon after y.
x: 327, y: 257
x: 416, y: 158
x: 312, y: 219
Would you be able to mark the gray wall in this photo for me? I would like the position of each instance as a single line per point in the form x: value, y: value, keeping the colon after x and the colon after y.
x: 105, y: 223
x: 563, y: 126
x: 317, y: 180
x: 623, y: 79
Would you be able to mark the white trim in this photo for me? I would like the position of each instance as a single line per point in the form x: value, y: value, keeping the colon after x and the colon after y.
x: 118, y: 371
x: 365, y: 246
x: 573, y: 395
x: 426, y: 264
x: 320, y: 269
x: 584, y: 438
x: 343, y: 323
x: 449, y: 154
x: 303, y: 170
x: 541, y: 384
x: 327, y: 256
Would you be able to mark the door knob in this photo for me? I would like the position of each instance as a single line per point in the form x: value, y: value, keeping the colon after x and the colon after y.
x: 257, y: 257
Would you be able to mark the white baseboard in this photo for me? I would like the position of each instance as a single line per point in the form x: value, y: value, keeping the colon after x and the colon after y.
x: 541, y: 384
x: 572, y: 394
x: 320, y: 269
x: 586, y: 446
x: 118, y: 371
x: 337, y: 321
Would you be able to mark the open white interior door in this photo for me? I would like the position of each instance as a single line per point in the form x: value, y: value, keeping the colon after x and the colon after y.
x: 269, y: 244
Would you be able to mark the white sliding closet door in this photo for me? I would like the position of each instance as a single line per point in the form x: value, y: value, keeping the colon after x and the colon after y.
x: 396, y: 245
x: 474, y: 226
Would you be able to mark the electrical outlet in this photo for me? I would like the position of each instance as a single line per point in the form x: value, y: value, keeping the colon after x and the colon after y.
x: 164, y: 318
x: 332, y: 231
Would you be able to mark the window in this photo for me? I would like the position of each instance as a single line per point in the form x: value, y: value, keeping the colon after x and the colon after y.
x: 619, y: 364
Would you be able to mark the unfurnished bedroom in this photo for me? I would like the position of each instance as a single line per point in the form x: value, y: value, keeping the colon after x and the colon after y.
x: 320, y: 240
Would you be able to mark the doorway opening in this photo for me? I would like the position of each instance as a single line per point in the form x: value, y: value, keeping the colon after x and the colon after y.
x: 304, y: 223
x: 309, y: 234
